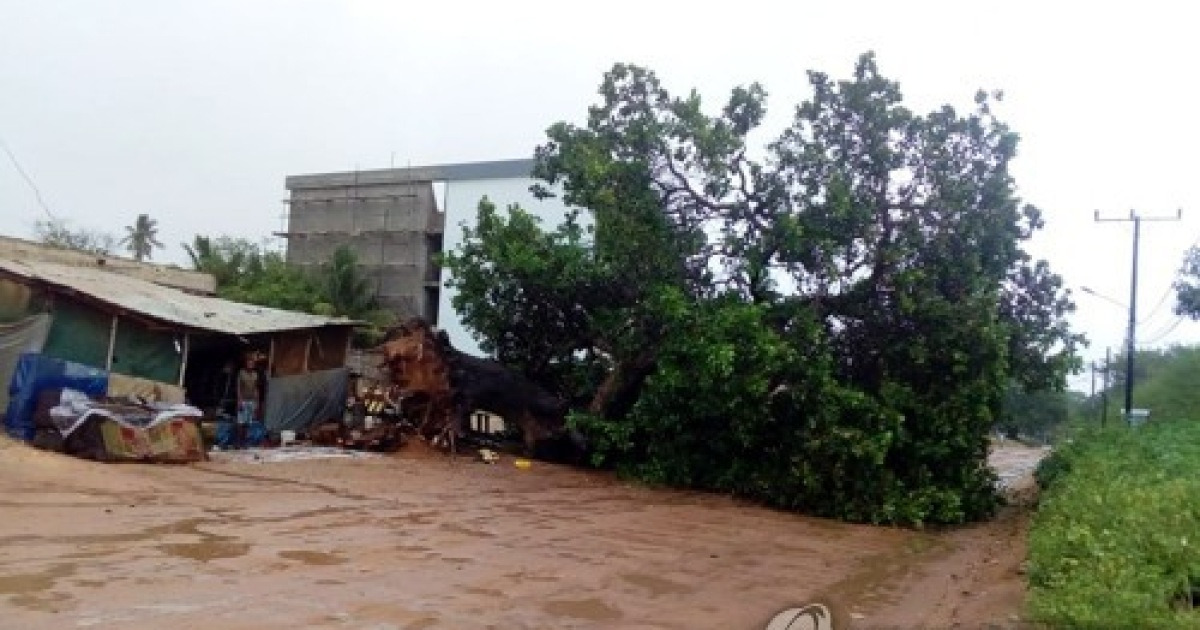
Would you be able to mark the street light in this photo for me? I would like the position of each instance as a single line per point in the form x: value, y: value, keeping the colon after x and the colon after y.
x: 1094, y: 293
x: 1129, y: 336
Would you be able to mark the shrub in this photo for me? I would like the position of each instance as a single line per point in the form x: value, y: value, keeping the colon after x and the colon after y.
x: 1116, y: 539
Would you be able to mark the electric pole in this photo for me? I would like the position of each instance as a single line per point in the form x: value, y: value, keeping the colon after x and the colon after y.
x: 1136, y: 219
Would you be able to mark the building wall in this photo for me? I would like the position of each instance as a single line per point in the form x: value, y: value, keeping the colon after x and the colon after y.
x: 462, y: 202
x: 392, y: 227
x: 396, y: 224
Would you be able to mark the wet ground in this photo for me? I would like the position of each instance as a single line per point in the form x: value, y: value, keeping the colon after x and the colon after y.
x: 415, y: 541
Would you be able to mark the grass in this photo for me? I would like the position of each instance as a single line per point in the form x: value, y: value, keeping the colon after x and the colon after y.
x: 1115, y: 542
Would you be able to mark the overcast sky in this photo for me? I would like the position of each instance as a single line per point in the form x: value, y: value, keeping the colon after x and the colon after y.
x: 194, y: 112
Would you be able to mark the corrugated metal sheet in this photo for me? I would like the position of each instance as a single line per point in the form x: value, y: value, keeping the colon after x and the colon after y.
x: 165, y: 304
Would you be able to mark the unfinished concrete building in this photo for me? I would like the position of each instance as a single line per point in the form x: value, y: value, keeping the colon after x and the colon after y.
x: 396, y: 220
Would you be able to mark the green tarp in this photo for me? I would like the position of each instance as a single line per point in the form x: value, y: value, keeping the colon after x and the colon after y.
x: 81, y: 334
x: 78, y: 334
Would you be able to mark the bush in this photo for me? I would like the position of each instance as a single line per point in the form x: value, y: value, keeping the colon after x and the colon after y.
x: 1116, y: 539
x: 736, y: 407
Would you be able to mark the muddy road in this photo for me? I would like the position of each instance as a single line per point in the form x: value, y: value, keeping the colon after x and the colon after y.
x: 414, y: 541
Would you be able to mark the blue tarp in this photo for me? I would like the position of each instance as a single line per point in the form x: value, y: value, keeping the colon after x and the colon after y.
x: 35, y: 373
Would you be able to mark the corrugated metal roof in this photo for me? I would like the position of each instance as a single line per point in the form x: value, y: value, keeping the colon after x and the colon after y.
x: 165, y: 304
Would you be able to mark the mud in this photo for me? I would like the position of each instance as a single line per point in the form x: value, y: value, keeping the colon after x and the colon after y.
x: 419, y: 541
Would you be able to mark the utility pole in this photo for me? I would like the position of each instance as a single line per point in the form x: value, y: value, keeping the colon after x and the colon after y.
x: 1136, y: 219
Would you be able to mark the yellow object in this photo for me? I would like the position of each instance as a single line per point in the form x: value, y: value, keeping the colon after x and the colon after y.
x: 523, y: 464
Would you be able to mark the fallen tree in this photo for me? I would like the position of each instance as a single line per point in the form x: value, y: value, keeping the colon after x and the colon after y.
x: 451, y: 385
x: 830, y: 329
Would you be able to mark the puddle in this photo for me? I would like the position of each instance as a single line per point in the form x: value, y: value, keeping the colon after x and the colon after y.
x: 207, y: 550
x: 656, y: 585
x: 22, y: 583
x: 313, y: 558
x: 588, y: 609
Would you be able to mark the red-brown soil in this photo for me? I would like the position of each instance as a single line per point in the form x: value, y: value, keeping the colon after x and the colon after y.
x: 413, y: 540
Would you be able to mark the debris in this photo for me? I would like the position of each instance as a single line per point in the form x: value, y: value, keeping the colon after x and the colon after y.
x: 291, y: 453
x: 488, y: 456
x: 523, y: 464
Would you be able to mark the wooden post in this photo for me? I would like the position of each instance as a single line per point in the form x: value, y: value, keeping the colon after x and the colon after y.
x: 187, y: 347
x: 112, y: 344
x: 307, y: 350
x: 271, y: 358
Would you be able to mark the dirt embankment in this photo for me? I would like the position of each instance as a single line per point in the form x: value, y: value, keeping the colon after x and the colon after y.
x: 417, y: 541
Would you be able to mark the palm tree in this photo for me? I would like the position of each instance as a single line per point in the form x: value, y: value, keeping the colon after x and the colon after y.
x: 347, y: 291
x: 142, y: 237
x: 227, y: 259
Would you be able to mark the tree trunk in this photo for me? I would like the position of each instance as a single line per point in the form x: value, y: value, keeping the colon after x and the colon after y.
x: 620, y: 388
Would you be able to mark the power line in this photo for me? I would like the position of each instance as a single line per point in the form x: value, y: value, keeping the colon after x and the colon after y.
x: 1136, y: 219
x: 1163, y: 335
x: 1163, y: 300
x: 1169, y: 291
x: 28, y: 180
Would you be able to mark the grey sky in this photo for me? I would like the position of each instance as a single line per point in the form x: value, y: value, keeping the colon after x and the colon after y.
x: 194, y: 112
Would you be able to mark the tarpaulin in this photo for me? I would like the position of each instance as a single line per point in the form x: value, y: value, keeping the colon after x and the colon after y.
x: 123, y: 386
x: 79, y: 333
x: 27, y: 335
x: 106, y: 432
x: 35, y: 373
x: 298, y: 402
x: 144, y: 353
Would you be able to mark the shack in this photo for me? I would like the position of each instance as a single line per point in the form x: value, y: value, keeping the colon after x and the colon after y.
x: 167, y: 343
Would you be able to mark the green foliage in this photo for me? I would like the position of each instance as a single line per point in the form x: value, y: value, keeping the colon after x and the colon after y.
x: 831, y: 329
x: 227, y: 259
x: 246, y: 273
x: 58, y: 233
x: 141, y: 238
x: 1165, y: 382
x: 1033, y: 414
x: 1114, y: 541
x: 267, y: 280
x: 1187, y: 287
x: 537, y: 298
x: 343, y: 286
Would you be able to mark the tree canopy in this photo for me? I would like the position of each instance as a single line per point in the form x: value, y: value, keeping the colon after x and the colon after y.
x: 59, y: 233
x: 1187, y: 286
x: 141, y: 238
x: 246, y: 272
x: 830, y: 327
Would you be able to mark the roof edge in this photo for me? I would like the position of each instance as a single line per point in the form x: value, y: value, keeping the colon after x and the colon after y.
x: 494, y: 169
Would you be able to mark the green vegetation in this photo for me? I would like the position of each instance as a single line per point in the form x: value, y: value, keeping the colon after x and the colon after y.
x: 1164, y: 383
x: 141, y: 238
x: 1039, y: 416
x: 246, y: 273
x: 1116, y: 539
x: 832, y: 329
x: 59, y: 233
